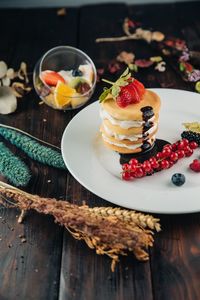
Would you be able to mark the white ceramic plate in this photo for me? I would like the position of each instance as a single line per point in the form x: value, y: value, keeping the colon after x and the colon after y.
x: 98, y: 168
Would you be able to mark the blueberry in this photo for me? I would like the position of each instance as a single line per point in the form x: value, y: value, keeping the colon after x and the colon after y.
x: 178, y: 179
x: 77, y: 73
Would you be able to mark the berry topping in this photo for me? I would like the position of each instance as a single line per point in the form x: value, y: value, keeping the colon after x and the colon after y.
x: 195, y: 165
x: 126, y: 90
x: 51, y: 78
x: 77, y: 73
x: 178, y: 179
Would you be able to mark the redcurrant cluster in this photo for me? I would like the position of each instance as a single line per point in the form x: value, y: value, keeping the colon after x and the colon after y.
x: 165, y: 159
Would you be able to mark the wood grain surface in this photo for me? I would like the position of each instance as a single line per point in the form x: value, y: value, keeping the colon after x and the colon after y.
x: 51, y: 264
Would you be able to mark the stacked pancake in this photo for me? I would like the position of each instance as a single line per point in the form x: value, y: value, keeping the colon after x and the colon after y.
x: 131, y: 129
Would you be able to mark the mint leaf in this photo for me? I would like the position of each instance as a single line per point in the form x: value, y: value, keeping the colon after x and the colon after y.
x: 115, y: 91
x: 125, y: 73
x: 104, y: 94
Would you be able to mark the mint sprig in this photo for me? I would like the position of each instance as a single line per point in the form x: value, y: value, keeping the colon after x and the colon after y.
x: 114, y: 90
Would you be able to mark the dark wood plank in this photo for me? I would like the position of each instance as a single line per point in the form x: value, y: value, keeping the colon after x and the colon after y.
x: 31, y: 270
x: 85, y: 275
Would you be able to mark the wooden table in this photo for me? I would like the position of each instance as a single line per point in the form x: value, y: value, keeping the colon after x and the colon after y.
x: 51, y: 264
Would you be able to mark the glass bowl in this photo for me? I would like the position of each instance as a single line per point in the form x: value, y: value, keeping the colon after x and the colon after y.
x: 65, y: 78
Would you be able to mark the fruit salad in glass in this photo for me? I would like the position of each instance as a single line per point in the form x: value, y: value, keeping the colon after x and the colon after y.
x: 65, y: 78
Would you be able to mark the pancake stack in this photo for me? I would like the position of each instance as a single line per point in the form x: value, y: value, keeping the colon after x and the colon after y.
x: 131, y: 129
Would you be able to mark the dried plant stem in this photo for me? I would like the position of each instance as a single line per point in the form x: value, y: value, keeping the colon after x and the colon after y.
x: 106, y: 234
x: 21, y: 216
x: 118, y: 39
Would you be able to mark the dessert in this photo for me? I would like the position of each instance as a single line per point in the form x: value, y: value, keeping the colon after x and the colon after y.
x: 129, y: 115
x: 66, y: 88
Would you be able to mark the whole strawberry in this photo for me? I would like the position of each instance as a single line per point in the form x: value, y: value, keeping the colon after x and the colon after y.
x: 131, y: 93
x: 126, y: 90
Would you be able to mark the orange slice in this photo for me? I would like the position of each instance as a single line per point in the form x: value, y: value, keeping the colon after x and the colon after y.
x: 63, y: 94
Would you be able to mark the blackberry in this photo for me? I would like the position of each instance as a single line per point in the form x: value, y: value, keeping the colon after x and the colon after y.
x: 191, y: 136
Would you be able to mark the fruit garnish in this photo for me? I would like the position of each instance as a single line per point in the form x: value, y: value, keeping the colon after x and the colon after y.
x: 125, y: 90
x: 62, y: 94
x: 51, y: 77
x: 197, y: 86
x: 194, y: 126
x: 165, y: 159
x: 77, y: 73
x: 195, y: 165
x: 80, y: 84
x: 178, y: 179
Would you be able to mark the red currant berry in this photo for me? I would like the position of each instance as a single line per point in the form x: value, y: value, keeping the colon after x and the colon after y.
x: 146, y: 166
x: 180, y: 153
x: 195, y: 165
x: 133, y: 168
x: 188, y: 152
x: 152, y: 159
x: 193, y: 145
x: 186, y: 142
x: 155, y: 164
x: 181, y: 145
x: 126, y: 176
x: 166, y: 152
x: 125, y: 167
x: 159, y: 155
x: 139, y: 173
x: 133, y: 162
x: 164, y: 164
x: 173, y: 156
x: 174, y: 146
x: 168, y: 146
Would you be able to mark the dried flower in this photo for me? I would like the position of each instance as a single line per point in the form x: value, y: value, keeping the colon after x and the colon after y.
x: 61, y: 12
x: 185, y: 56
x: 161, y: 66
x: 156, y: 59
x: 113, y: 67
x: 19, y: 89
x: 8, y: 101
x: 126, y: 57
x: 143, y: 63
x: 3, y: 69
x: 194, y: 75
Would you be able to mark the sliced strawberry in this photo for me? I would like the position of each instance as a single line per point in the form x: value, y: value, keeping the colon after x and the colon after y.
x: 51, y: 77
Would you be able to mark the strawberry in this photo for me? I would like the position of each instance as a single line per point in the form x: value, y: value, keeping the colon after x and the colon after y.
x: 131, y: 93
x: 125, y: 97
x: 125, y: 90
x: 51, y: 77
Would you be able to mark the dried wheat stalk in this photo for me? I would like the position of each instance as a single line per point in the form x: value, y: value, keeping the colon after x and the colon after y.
x: 128, y: 216
x: 107, y: 234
